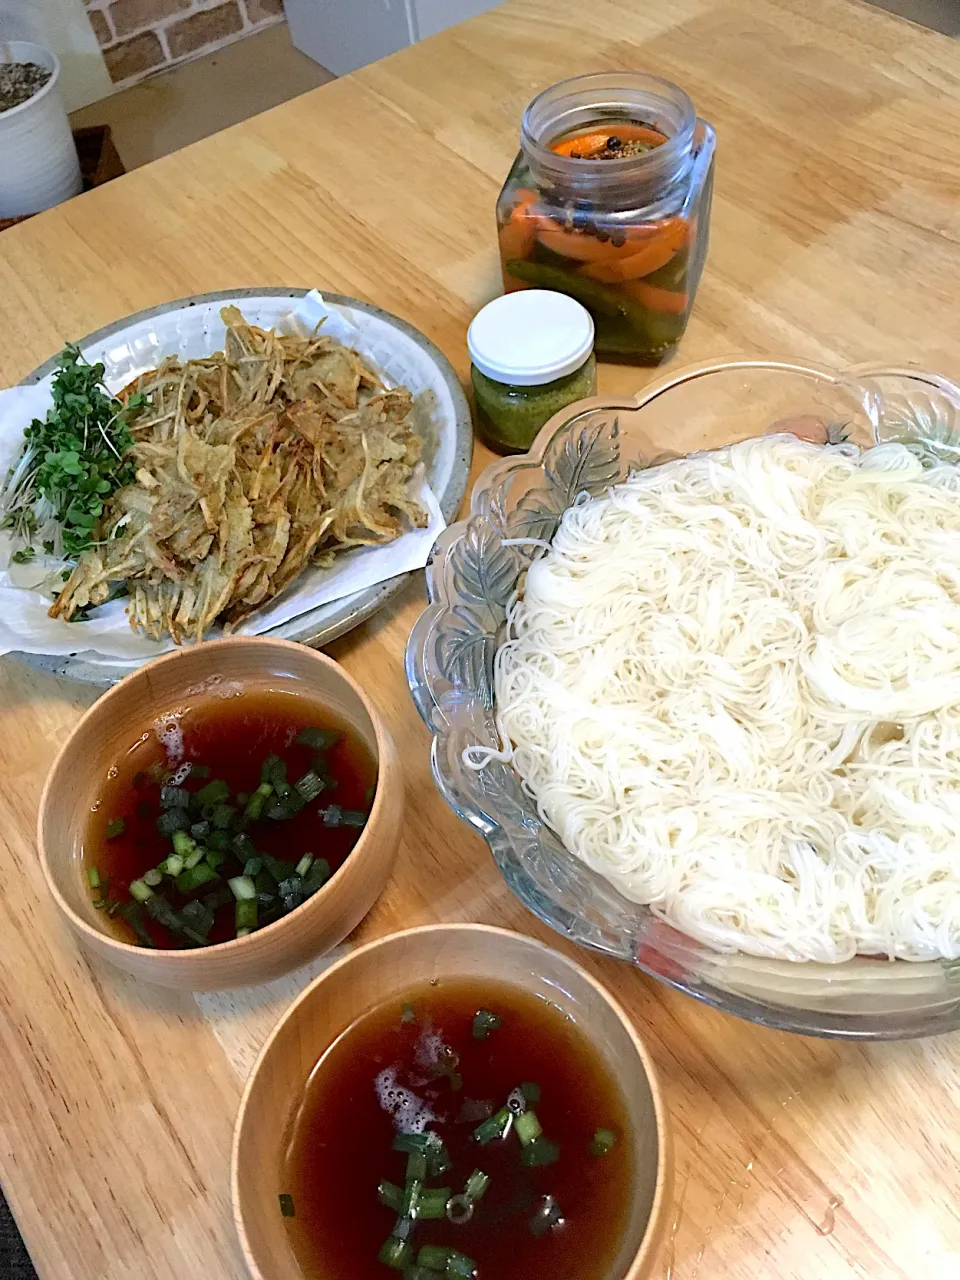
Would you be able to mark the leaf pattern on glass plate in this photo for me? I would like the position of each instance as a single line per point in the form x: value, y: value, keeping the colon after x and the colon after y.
x: 484, y: 571
x: 464, y: 653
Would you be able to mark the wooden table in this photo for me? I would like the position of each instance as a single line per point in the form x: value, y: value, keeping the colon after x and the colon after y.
x: 835, y: 238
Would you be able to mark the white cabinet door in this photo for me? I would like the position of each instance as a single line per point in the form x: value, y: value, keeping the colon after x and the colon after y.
x: 435, y: 15
x: 345, y: 34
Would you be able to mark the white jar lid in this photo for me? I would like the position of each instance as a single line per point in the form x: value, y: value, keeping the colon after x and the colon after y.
x: 530, y: 337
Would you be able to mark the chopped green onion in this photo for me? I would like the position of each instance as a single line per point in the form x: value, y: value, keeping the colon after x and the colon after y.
x: 433, y: 1202
x: 408, y: 1013
x: 273, y: 770
x: 213, y: 793
x: 411, y: 1192
x: 183, y: 844
x: 286, y: 806
x: 433, y: 1257
x: 354, y: 818
x: 459, y: 1266
x: 531, y: 1092
x: 546, y: 1217
x: 223, y: 816
x: 459, y: 1210
x: 171, y: 865
x: 140, y: 890
x: 304, y: 865
x: 153, y: 877
x: 243, y: 888
x: 256, y: 802
x: 317, y: 739
x: 484, y: 1022
x: 528, y: 1127
x: 438, y: 1159
x: 93, y: 878
x: 516, y: 1102
x: 200, y: 771
x: 316, y: 877
x: 417, y: 1166
x: 198, y: 916
x: 253, y: 866
x: 291, y: 892
x: 219, y: 840
x: 539, y: 1153
x: 391, y: 1195
x: 192, y: 859
x: 286, y: 1206
x: 604, y: 1140
x: 395, y: 1253
x: 174, y: 797
x: 214, y: 858
x: 99, y: 903
x: 132, y: 912
x: 245, y: 914
x: 279, y: 869
x: 189, y: 881
x: 477, y: 1185
x: 115, y: 827
x: 159, y: 909
x: 309, y: 786
x: 200, y: 830
x: 407, y: 1142
x: 173, y: 820
x: 498, y: 1126
x: 242, y: 933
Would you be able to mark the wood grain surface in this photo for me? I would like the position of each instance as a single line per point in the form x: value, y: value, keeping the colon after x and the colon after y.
x: 835, y: 238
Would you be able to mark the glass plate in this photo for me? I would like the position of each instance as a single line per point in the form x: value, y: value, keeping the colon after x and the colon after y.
x: 472, y: 576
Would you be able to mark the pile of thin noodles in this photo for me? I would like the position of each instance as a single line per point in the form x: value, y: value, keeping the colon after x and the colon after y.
x: 732, y: 687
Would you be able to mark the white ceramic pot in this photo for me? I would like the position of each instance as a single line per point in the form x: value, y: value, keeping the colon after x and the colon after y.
x: 38, y: 159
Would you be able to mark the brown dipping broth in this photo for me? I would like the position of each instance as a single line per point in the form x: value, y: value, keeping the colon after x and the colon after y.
x: 233, y: 736
x: 339, y: 1145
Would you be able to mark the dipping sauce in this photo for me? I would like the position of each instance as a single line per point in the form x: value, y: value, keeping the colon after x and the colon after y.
x: 225, y: 815
x: 529, y: 1160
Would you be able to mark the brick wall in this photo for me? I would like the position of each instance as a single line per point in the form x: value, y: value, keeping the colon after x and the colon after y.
x: 140, y: 37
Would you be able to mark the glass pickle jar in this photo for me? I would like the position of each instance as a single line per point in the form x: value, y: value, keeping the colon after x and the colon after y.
x: 531, y: 355
x: 609, y: 202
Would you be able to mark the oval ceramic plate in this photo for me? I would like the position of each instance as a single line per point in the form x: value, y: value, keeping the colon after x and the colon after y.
x: 136, y: 343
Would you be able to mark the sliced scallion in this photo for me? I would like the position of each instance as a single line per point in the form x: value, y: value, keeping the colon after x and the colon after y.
x: 604, y: 1140
x: 243, y: 888
x: 201, y: 830
x: 213, y: 793
x: 254, y: 807
x: 214, y: 858
x: 531, y: 1092
x: 153, y: 877
x: 316, y: 877
x: 433, y: 1257
x: 198, y: 916
x: 223, y: 816
x: 171, y: 865
x: 433, y: 1202
x: 459, y: 1266
x: 200, y: 771
x: 391, y: 1195
x: 411, y: 1194
x: 245, y: 914
x: 140, y: 890
x: 304, y: 865
x: 173, y: 820
x: 174, y: 797
x: 484, y: 1022
x: 287, y: 1206
x: 253, y: 866
x: 115, y: 827
x: 317, y: 739
x: 459, y: 1210
x: 417, y: 1166
x: 395, y: 1253
x: 93, y: 878
x: 498, y: 1126
x: 539, y: 1153
x: 190, y: 881
x: 476, y: 1185
x: 218, y: 840
x: 183, y: 844
x: 528, y: 1127
x: 309, y: 786
x: 546, y: 1217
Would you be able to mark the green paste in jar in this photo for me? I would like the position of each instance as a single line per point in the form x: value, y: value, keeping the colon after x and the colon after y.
x: 509, y: 417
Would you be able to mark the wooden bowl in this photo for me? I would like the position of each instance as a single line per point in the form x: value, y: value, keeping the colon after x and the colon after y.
x: 104, y: 732
x: 385, y: 969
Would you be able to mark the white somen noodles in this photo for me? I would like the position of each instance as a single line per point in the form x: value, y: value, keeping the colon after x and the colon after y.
x: 732, y: 687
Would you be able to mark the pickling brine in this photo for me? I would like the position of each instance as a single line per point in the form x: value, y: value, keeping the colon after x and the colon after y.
x: 609, y: 202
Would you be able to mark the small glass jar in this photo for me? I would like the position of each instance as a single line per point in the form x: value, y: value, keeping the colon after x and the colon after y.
x: 609, y: 202
x: 532, y: 355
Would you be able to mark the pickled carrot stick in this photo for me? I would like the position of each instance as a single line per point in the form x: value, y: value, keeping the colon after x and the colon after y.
x: 581, y: 246
x: 586, y: 145
x: 518, y: 233
x: 667, y: 301
x: 653, y: 255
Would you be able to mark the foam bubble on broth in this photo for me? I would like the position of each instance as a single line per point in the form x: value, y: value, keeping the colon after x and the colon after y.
x: 169, y: 732
x: 216, y: 687
x: 410, y: 1113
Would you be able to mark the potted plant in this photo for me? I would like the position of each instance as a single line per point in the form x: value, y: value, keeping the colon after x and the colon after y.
x: 38, y: 159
